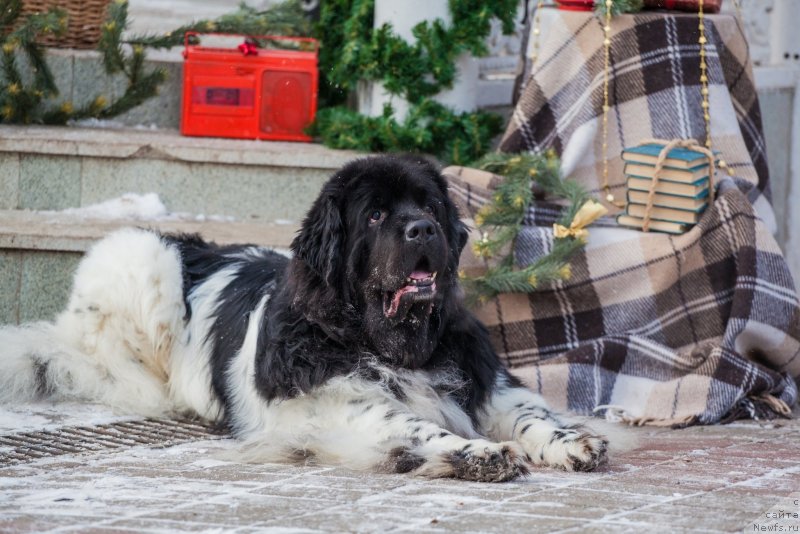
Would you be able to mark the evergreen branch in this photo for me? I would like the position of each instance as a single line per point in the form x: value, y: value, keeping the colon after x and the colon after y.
x: 502, y: 219
x: 429, y: 127
x: 619, y: 7
x: 43, y: 77
x: 353, y: 51
x: 286, y: 18
x: 10, y: 11
x: 11, y: 74
x: 135, y: 94
x: 111, y: 37
x: 19, y: 101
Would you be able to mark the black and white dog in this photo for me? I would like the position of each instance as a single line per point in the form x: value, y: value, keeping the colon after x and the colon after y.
x: 356, y: 351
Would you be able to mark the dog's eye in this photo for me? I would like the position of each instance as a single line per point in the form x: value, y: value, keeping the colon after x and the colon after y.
x: 375, y: 216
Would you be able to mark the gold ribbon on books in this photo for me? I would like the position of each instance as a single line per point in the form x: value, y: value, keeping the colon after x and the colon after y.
x: 689, y: 144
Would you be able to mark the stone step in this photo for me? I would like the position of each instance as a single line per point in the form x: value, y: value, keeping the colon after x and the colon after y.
x: 53, y: 168
x: 40, y: 251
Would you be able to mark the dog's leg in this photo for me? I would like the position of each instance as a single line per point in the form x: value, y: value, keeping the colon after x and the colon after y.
x: 416, y: 445
x: 440, y: 453
x: 513, y: 412
x: 368, y: 430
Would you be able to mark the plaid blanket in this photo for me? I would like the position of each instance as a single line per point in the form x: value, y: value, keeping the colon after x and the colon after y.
x: 654, y: 92
x: 650, y: 328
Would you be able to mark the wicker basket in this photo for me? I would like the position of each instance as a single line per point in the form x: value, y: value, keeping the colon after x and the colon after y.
x: 86, y: 18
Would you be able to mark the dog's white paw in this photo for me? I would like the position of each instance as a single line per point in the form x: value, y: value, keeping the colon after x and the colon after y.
x: 569, y: 449
x: 480, y: 461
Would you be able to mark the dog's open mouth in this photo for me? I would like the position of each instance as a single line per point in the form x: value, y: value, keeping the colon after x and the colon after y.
x: 420, y: 286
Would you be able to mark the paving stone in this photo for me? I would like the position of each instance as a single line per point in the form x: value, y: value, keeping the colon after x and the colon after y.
x: 502, y: 523
x: 690, y: 518
x: 576, y: 503
x: 200, y: 486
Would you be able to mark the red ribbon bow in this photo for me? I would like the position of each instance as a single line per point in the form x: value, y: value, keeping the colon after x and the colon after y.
x: 248, y: 48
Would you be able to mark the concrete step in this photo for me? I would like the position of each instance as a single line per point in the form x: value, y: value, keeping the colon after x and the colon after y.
x: 53, y: 168
x: 40, y: 251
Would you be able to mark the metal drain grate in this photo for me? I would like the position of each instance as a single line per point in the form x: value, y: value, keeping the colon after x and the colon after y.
x: 155, y: 433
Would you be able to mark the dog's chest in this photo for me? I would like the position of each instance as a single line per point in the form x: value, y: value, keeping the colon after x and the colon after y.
x: 430, y: 396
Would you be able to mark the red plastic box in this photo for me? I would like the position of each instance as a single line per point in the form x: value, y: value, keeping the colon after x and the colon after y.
x: 248, y: 92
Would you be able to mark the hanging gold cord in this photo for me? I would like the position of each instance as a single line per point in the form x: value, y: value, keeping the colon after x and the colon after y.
x: 537, y: 29
x: 704, y: 81
x: 606, y: 107
x: 704, y: 72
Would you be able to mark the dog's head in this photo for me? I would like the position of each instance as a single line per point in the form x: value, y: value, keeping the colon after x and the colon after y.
x: 385, y: 239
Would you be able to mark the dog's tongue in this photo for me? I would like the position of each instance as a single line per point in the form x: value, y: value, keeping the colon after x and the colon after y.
x: 394, y: 305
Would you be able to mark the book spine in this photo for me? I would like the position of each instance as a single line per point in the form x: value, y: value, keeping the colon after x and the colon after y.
x: 666, y: 201
x: 673, y: 215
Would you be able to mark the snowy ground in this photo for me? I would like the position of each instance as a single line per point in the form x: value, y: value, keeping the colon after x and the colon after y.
x: 704, y: 479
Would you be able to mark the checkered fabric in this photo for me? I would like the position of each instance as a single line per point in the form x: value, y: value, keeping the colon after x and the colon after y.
x: 654, y: 92
x: 651, y: 328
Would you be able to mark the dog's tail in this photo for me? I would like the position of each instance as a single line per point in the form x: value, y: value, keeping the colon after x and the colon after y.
x: 112, y: 344
x: 38, y: 364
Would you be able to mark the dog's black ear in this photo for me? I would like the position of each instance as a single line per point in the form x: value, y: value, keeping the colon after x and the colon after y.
x: 457, y: 231
x: 320, y: 241
x: 459, y: 236
x: 463, y: 236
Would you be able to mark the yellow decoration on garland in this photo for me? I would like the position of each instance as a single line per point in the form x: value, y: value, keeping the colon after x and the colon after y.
x: 589, y: 212
x: 502, y: 221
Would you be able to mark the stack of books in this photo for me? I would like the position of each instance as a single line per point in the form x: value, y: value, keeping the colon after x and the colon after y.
x: 681, y: 192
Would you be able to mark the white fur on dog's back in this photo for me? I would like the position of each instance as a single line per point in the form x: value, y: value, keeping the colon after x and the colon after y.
x: 113, y: 343
x: 190, y: 367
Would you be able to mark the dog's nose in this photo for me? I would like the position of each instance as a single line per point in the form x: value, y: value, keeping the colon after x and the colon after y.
x: 420, y: 231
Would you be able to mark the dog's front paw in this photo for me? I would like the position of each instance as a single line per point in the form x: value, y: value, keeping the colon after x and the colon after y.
x: 569, y: 449
x: 480, y: 461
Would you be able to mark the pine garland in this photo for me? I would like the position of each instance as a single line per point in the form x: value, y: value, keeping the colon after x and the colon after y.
x: 430, y: 127
x: 26, y: 103
x: 285, y: 18
x: 142, y: 84
x: 619, y: 7
x: 501, y: 221
x: 352, y: 50
x: 19, y: 97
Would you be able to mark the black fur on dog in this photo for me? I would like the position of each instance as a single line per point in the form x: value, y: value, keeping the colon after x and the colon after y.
x: 376, y: 222
x: 356, y: 351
